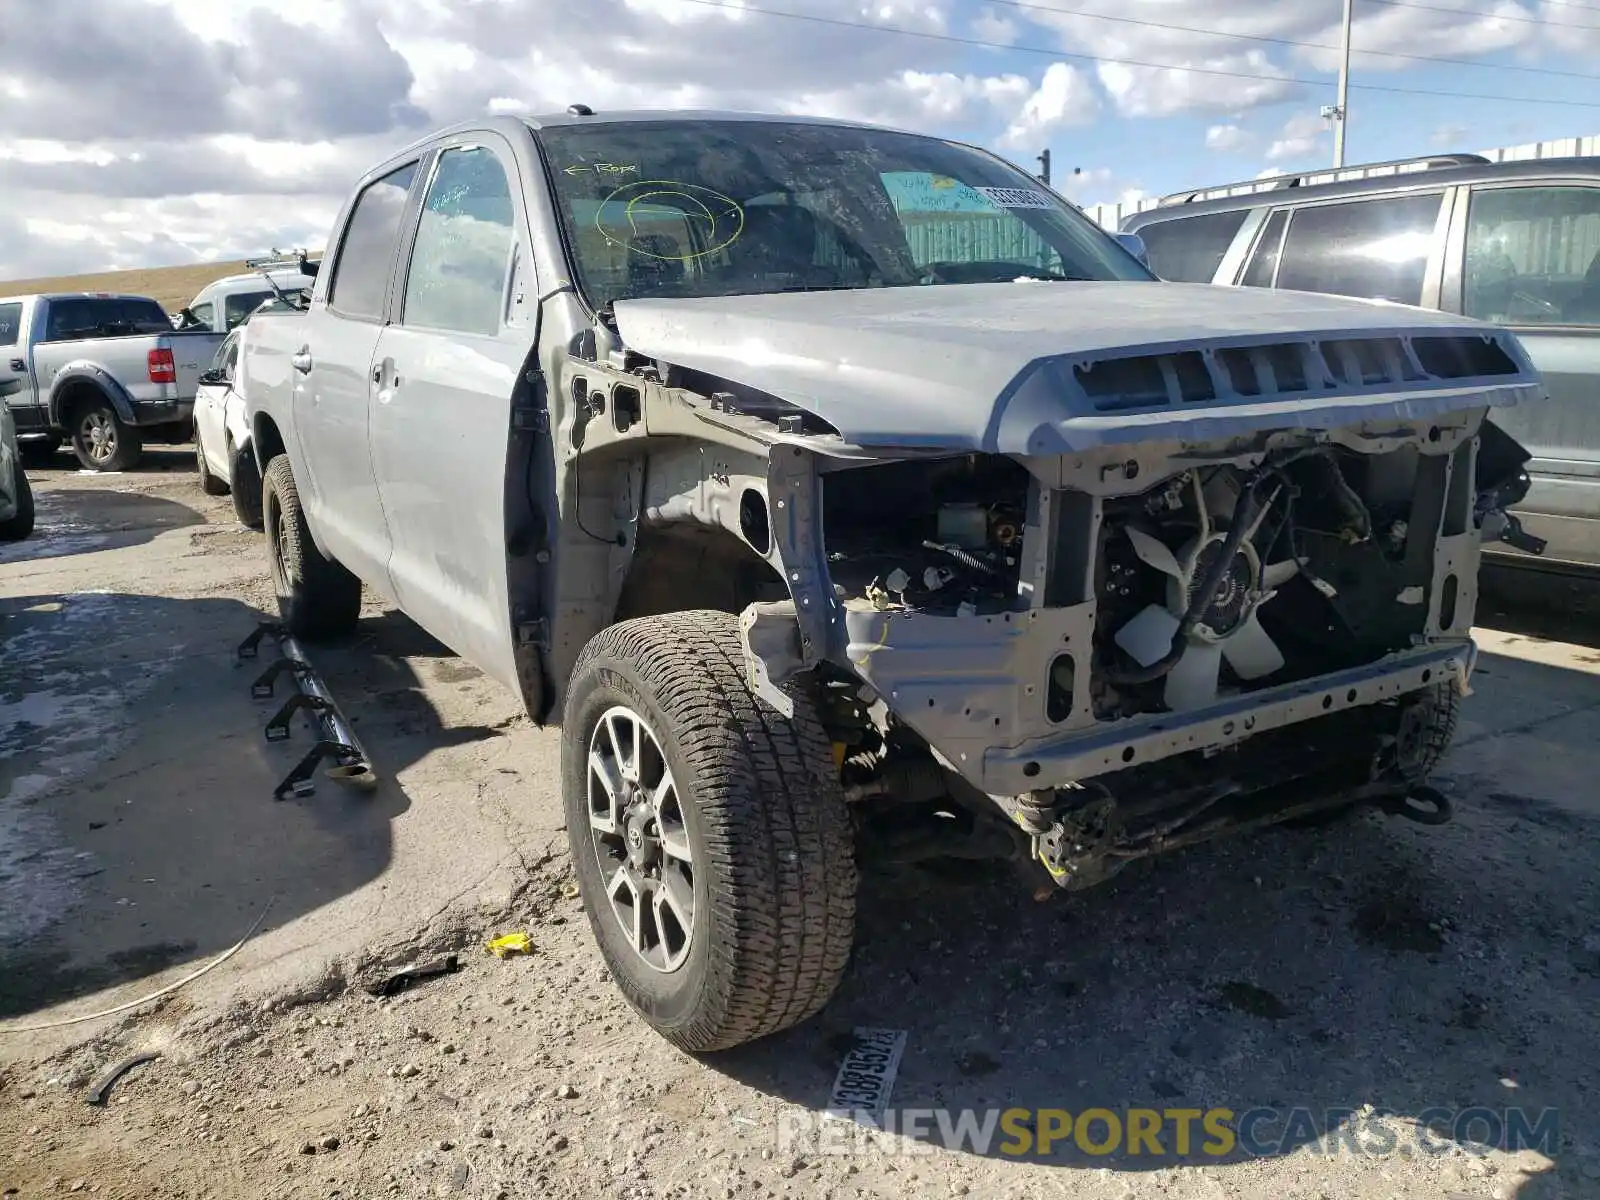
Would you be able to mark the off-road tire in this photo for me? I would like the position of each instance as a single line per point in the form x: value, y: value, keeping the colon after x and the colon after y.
x: 318, y: 598
x: 246, y: 485
x: 775, y: 872
x: 20, y: 524
x: 209, y: 483
x: 121, y: 443
x: 1434, y: 714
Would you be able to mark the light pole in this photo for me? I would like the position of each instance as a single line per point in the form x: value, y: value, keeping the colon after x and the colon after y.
x: 1341, y: 116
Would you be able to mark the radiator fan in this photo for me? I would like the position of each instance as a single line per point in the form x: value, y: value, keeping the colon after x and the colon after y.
x: 1228, y: 629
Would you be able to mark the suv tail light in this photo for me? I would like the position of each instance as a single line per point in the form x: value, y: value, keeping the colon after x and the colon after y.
x: 162, y: 368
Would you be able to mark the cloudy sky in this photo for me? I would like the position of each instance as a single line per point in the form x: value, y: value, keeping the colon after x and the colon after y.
x: 154, y: 132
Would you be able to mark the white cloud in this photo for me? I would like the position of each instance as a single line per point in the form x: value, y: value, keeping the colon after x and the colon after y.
x: 1064, y: 97
x: 1227, y: 139
x: 267, y: 110
x: 1303, y: 134
x: 990, y: 26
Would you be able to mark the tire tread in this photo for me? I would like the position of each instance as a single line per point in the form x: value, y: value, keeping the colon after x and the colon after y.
x: 773, y: 816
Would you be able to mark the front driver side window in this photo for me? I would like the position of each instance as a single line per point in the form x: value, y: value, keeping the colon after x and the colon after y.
x: 457, y: 279
x: 1533, y: 256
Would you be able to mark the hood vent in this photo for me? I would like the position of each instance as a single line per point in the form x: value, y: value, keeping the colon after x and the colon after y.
x: 1285, y: 370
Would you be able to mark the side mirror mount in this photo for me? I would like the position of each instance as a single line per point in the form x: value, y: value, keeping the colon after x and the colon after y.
x: 212, y: 377
x: 1134, y: 245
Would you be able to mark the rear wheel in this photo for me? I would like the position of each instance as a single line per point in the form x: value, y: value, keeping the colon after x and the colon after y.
x: 20, y: 523
x: 246, y: 485
x: 209, y: 483
x: 709, y: 834
x: 102, y: 440
x: 317, y: 597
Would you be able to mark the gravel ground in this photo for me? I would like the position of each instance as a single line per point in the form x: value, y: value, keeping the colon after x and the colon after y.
x: 1371, y: 965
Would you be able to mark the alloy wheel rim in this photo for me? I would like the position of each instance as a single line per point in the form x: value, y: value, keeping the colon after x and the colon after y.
x: 640, y: 838
x: 100, y: 436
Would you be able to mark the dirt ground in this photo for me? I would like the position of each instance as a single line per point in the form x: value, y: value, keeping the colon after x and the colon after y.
x: 1375, y: 965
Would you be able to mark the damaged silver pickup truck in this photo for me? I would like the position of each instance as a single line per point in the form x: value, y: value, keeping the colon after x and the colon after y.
x: 850, y: 498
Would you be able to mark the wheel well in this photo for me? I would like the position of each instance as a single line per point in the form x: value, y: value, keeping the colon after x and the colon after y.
x: 268, y: 441
x: 682, y: 567
x: 75, y: 397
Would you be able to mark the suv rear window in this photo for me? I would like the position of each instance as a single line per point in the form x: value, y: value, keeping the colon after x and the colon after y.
x: 1375, y: 249
x: 104, y: 316
x: 237, y: 307
x: 1190, y: 249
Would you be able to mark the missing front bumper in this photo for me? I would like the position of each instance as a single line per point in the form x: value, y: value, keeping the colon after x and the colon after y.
x: 1055, y: 762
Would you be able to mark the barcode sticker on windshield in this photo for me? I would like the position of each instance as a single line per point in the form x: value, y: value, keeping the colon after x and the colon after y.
x: 1015, y: 197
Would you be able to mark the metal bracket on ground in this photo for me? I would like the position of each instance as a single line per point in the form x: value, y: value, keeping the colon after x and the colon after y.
x: 336, y: 740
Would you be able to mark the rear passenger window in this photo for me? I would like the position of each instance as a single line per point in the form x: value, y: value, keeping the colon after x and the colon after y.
x: 1264, y: 261
x: 104, y: 316
x: 1533, y: 256
x: 1377, y: 249
x: 1190, y: 249
x: 457, y: 279
x: 361, y: 272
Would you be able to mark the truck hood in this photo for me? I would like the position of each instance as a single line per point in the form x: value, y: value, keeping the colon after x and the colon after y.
x: 1052, y: 368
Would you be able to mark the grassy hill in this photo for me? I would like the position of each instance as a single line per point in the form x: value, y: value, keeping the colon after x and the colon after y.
x: 172, y: 286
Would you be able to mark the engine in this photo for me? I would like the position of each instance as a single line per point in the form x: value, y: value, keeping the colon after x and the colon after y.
x: 1222, y: 580
x: 941, y: 537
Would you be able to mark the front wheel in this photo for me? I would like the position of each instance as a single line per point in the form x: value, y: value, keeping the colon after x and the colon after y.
x: 20, y: 524
x: 317, y: 597
x: 709, y: 834
x: 102, y: 440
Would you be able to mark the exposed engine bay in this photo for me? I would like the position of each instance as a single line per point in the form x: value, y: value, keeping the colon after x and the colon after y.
x: 1308, y: 563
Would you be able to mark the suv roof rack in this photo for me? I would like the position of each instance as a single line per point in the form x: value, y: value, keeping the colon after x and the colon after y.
x: 279, y: 260
x: 1273, y: 183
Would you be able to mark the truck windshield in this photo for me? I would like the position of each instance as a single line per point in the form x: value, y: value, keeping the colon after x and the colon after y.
x: 104, y: 316
x: 721, y: 208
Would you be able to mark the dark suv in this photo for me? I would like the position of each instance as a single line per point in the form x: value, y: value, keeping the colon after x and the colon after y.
x: 1516, y: 243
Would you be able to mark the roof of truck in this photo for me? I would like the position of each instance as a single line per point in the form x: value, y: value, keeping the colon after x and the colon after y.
x: 511, y: 124
x: 77, y: 296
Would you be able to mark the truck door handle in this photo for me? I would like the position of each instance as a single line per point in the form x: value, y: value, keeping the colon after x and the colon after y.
x: 302, y: 361
x: 18, y: 364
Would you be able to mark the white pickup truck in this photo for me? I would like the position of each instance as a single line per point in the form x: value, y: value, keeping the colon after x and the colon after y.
x: 851, y: 499
x: 105, y: 371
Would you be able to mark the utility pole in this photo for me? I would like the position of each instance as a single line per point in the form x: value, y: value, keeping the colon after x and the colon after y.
x: 1342, y: 115
x: 1044, y: 168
